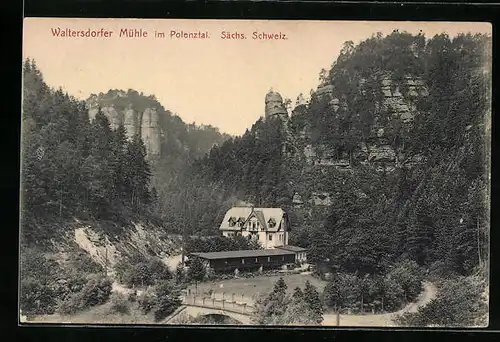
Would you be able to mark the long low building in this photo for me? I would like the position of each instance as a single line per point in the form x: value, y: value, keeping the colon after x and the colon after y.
x: 252, y: 259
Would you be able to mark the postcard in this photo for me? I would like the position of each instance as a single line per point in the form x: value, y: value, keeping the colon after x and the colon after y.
x: 255, y: 172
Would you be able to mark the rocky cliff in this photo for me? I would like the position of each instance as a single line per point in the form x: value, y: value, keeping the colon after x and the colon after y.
x: 274, y: 106
x: 399, y: 102
x: 136, y: 121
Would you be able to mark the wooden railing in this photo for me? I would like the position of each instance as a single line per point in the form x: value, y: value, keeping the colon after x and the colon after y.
x: 230, y: 304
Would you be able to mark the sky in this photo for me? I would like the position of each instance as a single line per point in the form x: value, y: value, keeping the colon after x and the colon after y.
x: 212, y: 81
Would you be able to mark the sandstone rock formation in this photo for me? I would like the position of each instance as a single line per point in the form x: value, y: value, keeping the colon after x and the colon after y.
x: 150, y: 131
x: 399, y: 101
x: 113, y: 116
x: 145, y: 124
x: 275, y: 107
x: 130, y: 121
x: 321, y: 198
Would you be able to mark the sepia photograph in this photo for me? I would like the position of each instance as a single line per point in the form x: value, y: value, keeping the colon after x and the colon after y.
x: 189, y: 172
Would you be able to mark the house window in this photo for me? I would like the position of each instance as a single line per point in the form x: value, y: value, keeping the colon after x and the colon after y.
x: 270, y: 237
x: 283, y: 258
x: 256, y: 260
x: 268, y: 259
x: 253, y: 225
x: 242, y: 261
x: 271, y: 222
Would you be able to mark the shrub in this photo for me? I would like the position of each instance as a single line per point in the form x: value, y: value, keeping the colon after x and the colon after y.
x: 409, y: 275
x: 132, y: 297
x: 96, y: 291
x: 36, y: 298
x: 180, y: 274
x: 141, y: 271
x: 70, y: 284
x: 146, y: 301
x: 159, y: 270
x: 70, y: 304
x: 119, y: 303
x: 82, y: 262
x: 167, y: 300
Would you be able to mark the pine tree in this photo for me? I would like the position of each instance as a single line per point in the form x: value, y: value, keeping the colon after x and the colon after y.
x: 118, y: 154
x: 196, y: 271
x: 298, y: 294
x: 137, y: 172
x: 311, y: 297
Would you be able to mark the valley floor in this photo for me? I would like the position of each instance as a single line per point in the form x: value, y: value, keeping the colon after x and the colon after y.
x: 252, y: 287
x: 101, y: 314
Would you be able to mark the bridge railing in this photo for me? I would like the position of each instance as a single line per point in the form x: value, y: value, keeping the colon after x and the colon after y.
x: 227, y: 296
x: 216, y: 303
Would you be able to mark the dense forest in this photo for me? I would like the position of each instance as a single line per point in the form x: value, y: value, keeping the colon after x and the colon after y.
x: 387, y: 222
x: 434, y: 211
x: 76, y: 167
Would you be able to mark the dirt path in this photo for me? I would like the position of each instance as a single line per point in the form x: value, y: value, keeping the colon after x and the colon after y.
x: 172, y: 261
x: 383, y: 320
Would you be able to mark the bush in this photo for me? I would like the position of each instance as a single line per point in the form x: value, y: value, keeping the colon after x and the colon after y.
x: 132, y: 297
x: 70, y: 284
x: 146, y: 301
x: 96, y: 291
x: 409, y: 275
x: 36, y: 298
x: 119, y: 303
x: 82, y: 262
x: 70, y: 304
x: 167, y: 300
x: 141, y: 271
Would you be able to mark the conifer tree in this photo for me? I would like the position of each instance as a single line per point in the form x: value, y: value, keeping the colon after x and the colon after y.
x: 311, y: 297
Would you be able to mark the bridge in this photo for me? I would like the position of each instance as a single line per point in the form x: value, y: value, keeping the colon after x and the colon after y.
x: 203, y: 306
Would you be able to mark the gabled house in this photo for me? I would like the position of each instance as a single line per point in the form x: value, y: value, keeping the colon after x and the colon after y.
x: 269, y: 226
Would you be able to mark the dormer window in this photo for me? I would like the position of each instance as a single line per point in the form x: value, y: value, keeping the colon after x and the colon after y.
x: 232, y: 221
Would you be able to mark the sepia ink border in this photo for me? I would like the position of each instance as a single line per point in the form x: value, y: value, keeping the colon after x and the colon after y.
x: 264, y: 10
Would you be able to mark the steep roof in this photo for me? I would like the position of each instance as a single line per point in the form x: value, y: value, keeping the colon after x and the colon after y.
x: 242, y: 254
x: 262, y: 214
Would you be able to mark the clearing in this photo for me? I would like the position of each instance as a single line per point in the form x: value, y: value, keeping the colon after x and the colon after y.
x: 252, y: 287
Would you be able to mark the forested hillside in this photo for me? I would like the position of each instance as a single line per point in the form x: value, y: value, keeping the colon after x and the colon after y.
x: 428, y: 201
x: 179, y: 144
